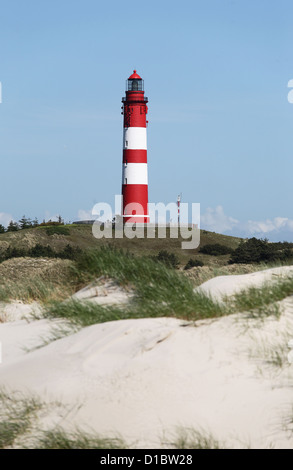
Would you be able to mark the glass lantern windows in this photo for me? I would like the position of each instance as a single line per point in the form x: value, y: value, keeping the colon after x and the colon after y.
x: 135, y: 84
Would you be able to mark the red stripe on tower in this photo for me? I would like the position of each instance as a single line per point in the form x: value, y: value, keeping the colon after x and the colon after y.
x: 134, y: 167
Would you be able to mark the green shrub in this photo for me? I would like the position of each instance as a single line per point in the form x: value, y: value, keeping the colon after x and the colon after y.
x: 169, y: 259
x: 191, y: 263
x: 69, y: 252
x: 256, y: 251
x: 216, y: 250
x: 41, y: 251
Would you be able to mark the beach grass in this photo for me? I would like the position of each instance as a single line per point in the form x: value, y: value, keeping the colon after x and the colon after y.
x: 159, y: 291
x: 60, y: 439
x: 33, y: 289
x: 260, y: 302
x: 17, y: 414
x: 190, y: 438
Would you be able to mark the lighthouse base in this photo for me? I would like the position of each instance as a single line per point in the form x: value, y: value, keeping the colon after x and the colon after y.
x: 135, y: 212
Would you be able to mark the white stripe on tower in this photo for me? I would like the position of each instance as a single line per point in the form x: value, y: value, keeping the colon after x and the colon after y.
x: 135, y: 173
x: 135, y: 138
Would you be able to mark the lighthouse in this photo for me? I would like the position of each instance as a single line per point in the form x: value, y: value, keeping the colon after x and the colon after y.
x: 134, y: 166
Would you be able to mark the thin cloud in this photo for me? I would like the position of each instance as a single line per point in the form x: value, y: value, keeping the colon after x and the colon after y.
x: 215, y: 220
x: 5, y: 218
x: 277, y: 224
x: 84, y: 215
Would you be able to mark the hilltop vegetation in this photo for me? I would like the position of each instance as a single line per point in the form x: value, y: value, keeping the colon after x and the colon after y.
x: 257, y: 251
x: 58, y: 237
x: 54, y: 239
x: 48, y: 260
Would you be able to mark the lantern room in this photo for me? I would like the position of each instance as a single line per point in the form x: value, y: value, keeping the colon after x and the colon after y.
x: 134, y: 83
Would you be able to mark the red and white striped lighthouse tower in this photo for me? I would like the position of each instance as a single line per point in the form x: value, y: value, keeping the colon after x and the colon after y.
x: 135, y: 173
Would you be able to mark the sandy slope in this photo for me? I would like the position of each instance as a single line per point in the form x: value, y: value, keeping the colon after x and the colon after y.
x: 143, y: 378
x: 222, y: 286
x: 103, y: 291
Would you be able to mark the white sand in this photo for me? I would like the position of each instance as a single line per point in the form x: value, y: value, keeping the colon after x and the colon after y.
x: 103, y: 291
x: 17, y: 310
x: 222, y: 286
x: 143, y: 378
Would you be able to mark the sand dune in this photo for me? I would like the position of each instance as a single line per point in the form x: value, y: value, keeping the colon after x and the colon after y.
x: 103, y: 291
x: 222, y: 286
x: 142, y: 379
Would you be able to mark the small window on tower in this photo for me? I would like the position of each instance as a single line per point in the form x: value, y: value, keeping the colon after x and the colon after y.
x: 126, y: 143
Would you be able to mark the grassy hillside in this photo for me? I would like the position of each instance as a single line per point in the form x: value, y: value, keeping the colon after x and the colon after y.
x: 81, y: 236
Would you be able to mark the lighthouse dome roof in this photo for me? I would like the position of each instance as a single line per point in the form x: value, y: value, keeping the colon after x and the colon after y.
x: 134, y: 76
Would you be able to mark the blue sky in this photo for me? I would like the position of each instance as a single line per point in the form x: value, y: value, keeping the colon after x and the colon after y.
x: 220, y: 124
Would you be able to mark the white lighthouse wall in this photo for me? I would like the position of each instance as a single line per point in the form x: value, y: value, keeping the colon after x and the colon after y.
x: 135, y: 138
x: 135, y: 173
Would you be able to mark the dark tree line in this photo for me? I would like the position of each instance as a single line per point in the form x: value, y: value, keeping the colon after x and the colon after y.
x: 256, y: 251
x: 253, y: 250
x: 41, y: 251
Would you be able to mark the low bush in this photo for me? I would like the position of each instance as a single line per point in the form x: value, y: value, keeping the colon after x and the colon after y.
x: 216, y: 250
x: 257, y: 251
x: 41, y: 251
x: 191, y: 263
x: 169, y: 259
